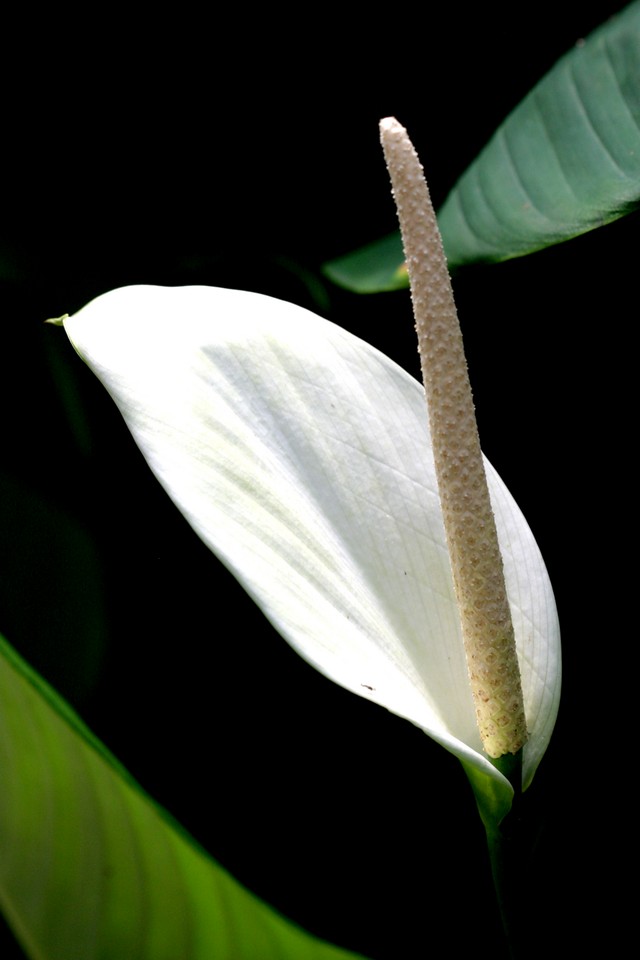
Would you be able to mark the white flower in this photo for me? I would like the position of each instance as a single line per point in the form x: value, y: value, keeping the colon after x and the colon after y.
x: 301, y: 456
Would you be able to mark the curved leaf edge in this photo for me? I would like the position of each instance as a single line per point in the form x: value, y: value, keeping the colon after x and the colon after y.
x: 314, y: 947
x: 353, y: 271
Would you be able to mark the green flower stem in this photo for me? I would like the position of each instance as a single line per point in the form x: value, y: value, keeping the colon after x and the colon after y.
x: 505, y: 845
x: 509, y: 848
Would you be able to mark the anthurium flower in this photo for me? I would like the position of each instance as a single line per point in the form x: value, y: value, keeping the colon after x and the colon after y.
x: 302, y: 457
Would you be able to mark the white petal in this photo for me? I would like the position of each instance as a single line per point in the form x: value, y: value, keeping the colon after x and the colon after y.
x: 301, y: 456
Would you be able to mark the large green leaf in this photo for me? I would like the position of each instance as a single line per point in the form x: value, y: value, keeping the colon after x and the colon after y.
x: 565, y: 161
x: 92, y: 868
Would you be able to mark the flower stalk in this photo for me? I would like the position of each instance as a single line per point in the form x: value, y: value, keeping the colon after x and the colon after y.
x: 472, y: 541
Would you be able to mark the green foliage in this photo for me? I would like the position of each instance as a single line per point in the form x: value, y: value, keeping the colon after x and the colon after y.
x: 92, y: 868
x: 375, y: 268
x: 567, y: 160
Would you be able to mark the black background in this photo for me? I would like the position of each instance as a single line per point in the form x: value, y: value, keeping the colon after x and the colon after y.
x: 244, y: 153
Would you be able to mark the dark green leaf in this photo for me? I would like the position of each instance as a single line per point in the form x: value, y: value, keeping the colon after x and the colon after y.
x: 373, y: 269
x: 565, y: 161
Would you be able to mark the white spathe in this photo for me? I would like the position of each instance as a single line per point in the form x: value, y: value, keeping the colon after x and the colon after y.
x: 301, y: 456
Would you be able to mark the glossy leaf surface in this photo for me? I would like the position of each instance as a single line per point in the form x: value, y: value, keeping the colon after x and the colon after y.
x: 567, y: 160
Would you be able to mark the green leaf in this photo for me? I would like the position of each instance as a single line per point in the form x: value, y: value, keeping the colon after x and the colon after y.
x: 92, y: 868
x: 376, y: 268
x: 567, y: 160
x: 301, y: 456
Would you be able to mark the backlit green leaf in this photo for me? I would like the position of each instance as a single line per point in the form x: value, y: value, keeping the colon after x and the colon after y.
x: 92, y: 868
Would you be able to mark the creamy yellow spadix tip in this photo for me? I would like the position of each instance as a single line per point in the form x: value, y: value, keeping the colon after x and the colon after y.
x: 469, y: 522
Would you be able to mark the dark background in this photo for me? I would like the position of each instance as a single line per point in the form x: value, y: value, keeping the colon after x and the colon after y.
x: 244, y: 155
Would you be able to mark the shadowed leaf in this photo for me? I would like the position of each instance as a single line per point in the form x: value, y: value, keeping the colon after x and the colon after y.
x: 567, y: 160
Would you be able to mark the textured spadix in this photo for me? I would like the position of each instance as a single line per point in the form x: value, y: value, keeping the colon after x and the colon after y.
x: 301, y: 456
x: 476, y: 562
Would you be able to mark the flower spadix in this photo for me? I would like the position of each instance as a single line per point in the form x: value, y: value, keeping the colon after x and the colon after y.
x: 476, y: 562
x: 302, y: 457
